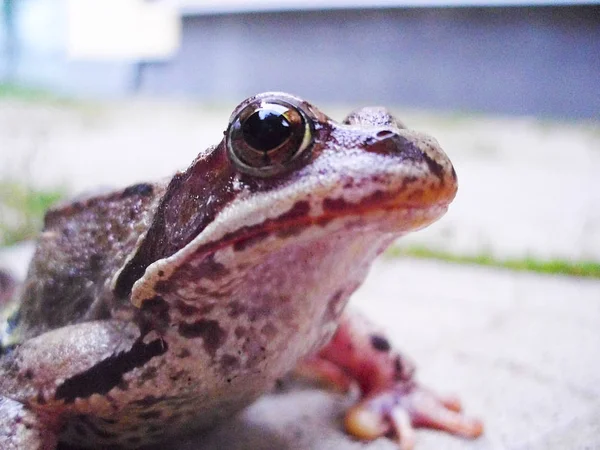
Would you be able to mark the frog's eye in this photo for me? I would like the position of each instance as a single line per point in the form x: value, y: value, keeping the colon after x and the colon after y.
x: 268, y: 136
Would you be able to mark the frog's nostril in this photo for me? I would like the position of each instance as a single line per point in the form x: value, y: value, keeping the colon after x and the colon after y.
x: 384, y: 134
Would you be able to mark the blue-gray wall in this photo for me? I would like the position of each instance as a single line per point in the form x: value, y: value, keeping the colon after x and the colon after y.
x: 523, y: 60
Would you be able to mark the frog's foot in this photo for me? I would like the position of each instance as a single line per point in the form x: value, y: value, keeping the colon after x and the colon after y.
x: 397, y: 410
x: 392, y: 402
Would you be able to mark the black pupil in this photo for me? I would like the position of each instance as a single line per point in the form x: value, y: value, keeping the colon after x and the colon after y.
x: 266, y: 129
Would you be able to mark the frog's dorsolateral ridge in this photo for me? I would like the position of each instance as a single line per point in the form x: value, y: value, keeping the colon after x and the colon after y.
x: 167, y: 306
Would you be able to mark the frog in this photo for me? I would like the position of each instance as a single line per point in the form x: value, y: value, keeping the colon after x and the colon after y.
x: 166, y: 307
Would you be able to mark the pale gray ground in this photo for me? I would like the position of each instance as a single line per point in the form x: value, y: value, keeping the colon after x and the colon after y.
x: 521, y: 350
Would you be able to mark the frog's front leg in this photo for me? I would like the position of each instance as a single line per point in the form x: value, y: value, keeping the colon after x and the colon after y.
x: 48, y: 378
x: 392, y: 402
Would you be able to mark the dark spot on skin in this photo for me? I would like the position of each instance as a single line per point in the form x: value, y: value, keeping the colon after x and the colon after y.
x: 264, y: 310
x: 177, y: 375
x: 247, y: 242
x: 299, y: 210
x: 408, y: 180
x: 40, y: 399
x: 208, y: 268
x: 149, y: 415
x: 141, y: 189
x: 157, y: 307
x: 199, y: 290
x: 147, y: 401
x: 377, y: 196
x: 203, y: 292
x: 416, y: 194
x: 225, y: 293
x: 183, y: 353
x: 108, y: 373
x: 269, y: 330
x: 289, y: 232
x: 185, y: 309
x: 380, y: 343
x: 28, y: 375
x: 240, y: 332
x: 205, y: 309
x: 335, y: 204
x: 95, y: 429
x: 209, y: 330
x: 229, y: 362
x: 161, y: 273
x: 148, y: 374
x: 236, y: 309
x: 436, y: 168
x: 95, y: 263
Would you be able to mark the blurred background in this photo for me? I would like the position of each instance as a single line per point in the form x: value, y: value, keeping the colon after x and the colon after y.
x: 497, y: 56
x: 97, y: 93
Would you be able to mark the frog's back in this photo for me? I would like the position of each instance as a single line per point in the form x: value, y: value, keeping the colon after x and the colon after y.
x: 81, y: 247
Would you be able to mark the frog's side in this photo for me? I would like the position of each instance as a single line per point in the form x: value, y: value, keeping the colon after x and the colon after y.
x: 164, y: 307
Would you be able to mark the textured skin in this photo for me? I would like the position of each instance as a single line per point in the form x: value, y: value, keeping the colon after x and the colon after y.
x: 81, y: 247
x: 168, y: 306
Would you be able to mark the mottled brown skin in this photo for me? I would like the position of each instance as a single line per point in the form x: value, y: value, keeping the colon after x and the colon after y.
x: 166, y: 307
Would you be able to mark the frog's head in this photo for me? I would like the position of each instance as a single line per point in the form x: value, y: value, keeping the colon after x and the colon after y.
x: 288, y: 182
x: 281, y: 146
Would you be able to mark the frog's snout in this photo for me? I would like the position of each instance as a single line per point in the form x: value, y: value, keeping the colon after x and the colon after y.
x: 420, y: 157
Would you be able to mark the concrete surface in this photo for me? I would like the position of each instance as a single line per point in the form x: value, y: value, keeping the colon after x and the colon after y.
x: 520, y: 349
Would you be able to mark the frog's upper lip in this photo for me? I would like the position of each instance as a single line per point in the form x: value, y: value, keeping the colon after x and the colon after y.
x: 299, y: 216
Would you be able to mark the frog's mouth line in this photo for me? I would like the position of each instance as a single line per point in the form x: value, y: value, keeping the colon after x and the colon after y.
x: 298, y: 217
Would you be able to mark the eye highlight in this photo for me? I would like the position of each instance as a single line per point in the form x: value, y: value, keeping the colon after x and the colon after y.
x: 267, y: 136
